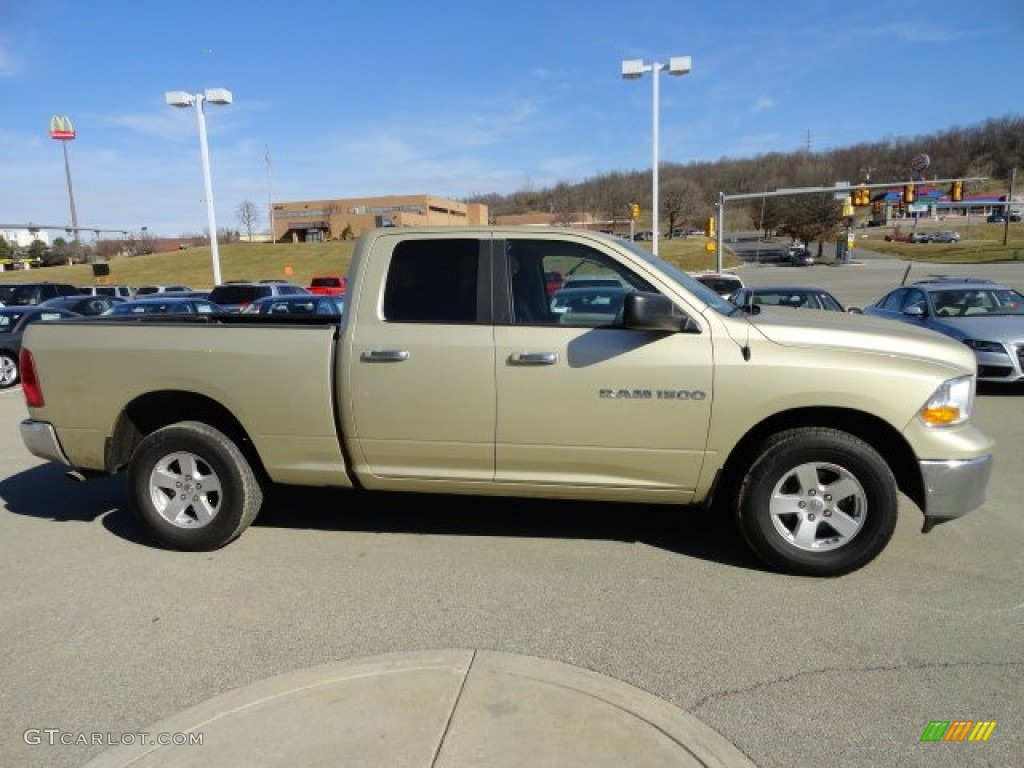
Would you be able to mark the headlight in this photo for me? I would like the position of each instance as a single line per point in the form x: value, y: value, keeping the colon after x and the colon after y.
x: 984, y: 346
x: 950, y: 404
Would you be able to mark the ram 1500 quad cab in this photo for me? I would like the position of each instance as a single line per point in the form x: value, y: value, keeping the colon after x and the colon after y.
x: 454, y: 370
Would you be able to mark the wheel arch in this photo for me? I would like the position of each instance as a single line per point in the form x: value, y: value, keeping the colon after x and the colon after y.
x: 879, y: 434
x: 154, y: 410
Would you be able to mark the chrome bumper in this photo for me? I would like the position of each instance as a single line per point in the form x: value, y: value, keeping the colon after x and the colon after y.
x: 41, y: 440
x: 954, y: 488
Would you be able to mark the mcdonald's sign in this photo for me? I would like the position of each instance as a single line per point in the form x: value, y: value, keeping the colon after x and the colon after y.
x: 61, y: 128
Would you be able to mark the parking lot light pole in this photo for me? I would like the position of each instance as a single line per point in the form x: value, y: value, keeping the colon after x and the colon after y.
x: 633, y: 69
x: 184, y: 99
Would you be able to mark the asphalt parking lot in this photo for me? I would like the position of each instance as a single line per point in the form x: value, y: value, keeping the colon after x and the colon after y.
x: 104, y: 633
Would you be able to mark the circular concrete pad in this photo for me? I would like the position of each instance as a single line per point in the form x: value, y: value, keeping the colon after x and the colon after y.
x: 435, y: 709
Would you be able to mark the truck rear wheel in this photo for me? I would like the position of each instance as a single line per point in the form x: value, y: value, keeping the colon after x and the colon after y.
x: 192, y: 486
x: 818, y: 502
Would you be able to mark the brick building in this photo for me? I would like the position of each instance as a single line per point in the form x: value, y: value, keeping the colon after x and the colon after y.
x: 316, y: 220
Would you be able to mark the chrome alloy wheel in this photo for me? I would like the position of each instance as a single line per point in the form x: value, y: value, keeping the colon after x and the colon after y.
x: 185, y: 490
x: 8, y: 371
x: 818, y: 507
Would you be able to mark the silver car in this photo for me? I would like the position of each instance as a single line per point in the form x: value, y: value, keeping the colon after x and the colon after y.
x: 986, y: 316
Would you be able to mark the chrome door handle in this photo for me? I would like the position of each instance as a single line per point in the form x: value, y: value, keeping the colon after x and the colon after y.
x: 385, y: 356
x: 533, y: 358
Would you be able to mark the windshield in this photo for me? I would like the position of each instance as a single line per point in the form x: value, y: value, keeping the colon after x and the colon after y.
x: 972, y: 302
x: 692, y: 285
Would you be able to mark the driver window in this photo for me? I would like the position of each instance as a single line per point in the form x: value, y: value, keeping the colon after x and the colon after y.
x: 558, y: 283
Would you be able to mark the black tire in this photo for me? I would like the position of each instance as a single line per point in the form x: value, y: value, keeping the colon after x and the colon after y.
x: 817, y: 502
x: 166, y: 478
x: 9, y: 374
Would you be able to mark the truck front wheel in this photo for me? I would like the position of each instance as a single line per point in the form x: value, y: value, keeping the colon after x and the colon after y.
x: 192, y: 487
x: 818, y: 502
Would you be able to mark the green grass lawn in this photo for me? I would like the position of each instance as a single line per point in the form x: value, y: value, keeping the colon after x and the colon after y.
x: 297, y: 262
x: 980, y: 243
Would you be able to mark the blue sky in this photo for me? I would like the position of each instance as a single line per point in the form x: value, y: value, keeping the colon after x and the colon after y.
x: 460, y: 98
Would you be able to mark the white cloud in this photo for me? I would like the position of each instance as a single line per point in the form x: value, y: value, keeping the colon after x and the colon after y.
x: 762, y: 104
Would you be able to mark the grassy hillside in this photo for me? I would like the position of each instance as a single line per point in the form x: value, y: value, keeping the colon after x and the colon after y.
x: 256, y: 261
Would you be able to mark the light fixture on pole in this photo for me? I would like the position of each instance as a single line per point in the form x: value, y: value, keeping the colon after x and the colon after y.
x: 184, y: 99
x: 633, y: 69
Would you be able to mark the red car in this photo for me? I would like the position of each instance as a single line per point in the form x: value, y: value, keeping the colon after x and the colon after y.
x: 328, y: 286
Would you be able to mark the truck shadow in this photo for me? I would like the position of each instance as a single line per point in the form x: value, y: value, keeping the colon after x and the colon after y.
x: 688, y: 531
x: 44, y: 492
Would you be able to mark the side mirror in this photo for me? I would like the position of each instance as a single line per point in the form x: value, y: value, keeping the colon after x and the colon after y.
x: 915, y: 310
x: 855, y: 311
x: 653, y: 312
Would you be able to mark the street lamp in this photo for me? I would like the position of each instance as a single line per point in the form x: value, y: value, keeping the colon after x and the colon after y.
x: 633, y: 69
x: 184, y: 99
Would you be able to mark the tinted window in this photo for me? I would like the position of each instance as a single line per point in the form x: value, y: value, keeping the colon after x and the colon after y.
x: 894, y: 301
x: 433, y: 281
x: 238, y: 294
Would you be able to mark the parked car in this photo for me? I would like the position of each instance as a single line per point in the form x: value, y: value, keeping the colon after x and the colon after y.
x: 234, y: 297
x: 919, y: 237
x: 328, y: 286
x: 800, y: 257
x: 725, y: 284
x: 996, y: 218
x: 986, y: 316
x: 88, y: 306
x: 592, y: 305
x: 149, y: 290
x: 163, y: 305
x: 945, y: 237
x: 13, y: 322
x: 120, y: 291
x: 297, y: 304
x: 643, y: 236
x: 30, y: 294
x: 585, y: 281
x: 792, y: 296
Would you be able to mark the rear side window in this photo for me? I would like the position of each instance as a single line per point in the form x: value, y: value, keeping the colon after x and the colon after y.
x: 433, y: 281
x: 238, y: 294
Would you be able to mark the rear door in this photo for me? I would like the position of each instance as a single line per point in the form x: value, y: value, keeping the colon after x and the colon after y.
x: 421, y: 361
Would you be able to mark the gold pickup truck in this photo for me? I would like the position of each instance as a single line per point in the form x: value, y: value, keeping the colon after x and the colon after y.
x: 457, y: 368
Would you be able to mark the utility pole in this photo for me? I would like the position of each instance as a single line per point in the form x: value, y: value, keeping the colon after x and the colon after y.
x: 1009, y: 207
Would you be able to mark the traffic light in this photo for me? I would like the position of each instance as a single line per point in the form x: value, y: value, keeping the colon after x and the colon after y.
x: 862, y: 196
x: 956, y: 191
x: 876, y: 207
x: 634, y: 212
x: 709, y: 230
x: 848, y: 206
x: 908, y: 193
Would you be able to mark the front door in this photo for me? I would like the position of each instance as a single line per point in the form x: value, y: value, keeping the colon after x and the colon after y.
x: 582, y: 401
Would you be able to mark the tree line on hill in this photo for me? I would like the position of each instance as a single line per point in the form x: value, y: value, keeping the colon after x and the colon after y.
x: 688, y: 192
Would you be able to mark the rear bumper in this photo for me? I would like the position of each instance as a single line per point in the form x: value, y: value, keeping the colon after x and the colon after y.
x: 954, y: 488
x: 41, y: 440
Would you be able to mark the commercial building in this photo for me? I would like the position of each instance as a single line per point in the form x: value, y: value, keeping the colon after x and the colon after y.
x: 23, y: 238
x: 316, y: 220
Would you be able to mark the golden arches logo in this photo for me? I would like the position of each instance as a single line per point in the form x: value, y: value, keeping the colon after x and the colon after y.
x: 61, y: 128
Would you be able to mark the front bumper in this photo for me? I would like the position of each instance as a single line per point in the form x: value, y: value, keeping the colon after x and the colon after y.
x: 954, y: 488
x: 41, y: 440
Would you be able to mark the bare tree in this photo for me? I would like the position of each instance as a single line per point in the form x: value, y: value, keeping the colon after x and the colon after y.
x: 681, y: 200
x: 248, y: 217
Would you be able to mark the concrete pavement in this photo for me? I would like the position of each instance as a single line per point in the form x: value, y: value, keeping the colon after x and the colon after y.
x: 436, y: 709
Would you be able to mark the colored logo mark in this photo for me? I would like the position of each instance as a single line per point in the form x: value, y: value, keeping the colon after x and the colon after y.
x: 958, y: 730
x: 61, y: 128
